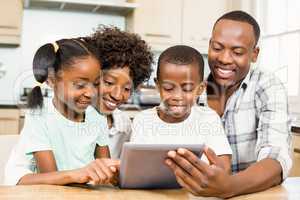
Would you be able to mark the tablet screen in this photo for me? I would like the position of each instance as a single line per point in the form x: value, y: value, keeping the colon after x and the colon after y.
x: 143, y: 165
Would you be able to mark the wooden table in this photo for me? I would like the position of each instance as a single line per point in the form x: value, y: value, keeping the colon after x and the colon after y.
x: 290, y: 189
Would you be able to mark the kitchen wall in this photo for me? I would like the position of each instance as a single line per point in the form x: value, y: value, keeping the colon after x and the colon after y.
x: 39, y: 27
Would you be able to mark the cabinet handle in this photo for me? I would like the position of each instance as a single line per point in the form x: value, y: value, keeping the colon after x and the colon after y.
x: 9, y: 27
x: 9, y: 119
x: 157, y: 35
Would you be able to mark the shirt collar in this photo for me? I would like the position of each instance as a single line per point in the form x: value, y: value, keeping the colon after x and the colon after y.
x: 203, y: 97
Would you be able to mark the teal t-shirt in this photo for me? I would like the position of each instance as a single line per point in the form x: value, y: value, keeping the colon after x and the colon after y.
x: 72, y: 143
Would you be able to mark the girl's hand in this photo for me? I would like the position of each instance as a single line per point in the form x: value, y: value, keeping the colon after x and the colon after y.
x: 100, y: 171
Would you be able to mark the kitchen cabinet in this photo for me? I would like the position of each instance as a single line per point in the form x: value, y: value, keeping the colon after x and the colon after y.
x: 9, y: 121
x: 197, y: 21
x: 158, y: 22
x: 295, y: 171
x: 170, y: 22
x: 118, y: 7
x: 11, y: 12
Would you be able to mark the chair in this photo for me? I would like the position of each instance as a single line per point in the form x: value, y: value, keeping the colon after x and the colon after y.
x: 7, y: 142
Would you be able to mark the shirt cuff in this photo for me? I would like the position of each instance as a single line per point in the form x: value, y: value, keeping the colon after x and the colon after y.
x: 279, y: 154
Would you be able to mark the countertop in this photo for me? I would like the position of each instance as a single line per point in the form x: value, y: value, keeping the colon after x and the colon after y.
x: 290, y: 189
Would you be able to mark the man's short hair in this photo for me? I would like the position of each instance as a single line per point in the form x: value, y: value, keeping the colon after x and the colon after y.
x: 242, y: 16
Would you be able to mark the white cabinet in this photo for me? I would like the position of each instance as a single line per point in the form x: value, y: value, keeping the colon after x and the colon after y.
x: 197, y: 21
x: 10, y: 21
x: 163, y: 23
x: 157, y: 21
x: 119, y: 7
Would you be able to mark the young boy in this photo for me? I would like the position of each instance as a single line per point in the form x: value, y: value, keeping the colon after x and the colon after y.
x: 177, y: 120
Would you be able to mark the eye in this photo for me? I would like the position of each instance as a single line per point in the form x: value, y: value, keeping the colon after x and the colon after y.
x: 216, y: 47
x: 80, y: 85
x: 238, y: 53
x: 168, y: 88
x: 108, y: 82
x: 188, y: 88
x: 127, y: 89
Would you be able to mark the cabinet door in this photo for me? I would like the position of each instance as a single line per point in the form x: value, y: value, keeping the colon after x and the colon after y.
x: 10, y: 13
x: 198, y: 19
x: 295, y: 171
x: 9, y: 121
x: 10, y: 21
x: 157, y: 21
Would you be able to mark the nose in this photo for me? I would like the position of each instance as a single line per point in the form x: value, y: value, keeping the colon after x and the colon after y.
x: 91, y: 91
x: 178, y: 95
x: 225, y: 57
x: 116, y: 93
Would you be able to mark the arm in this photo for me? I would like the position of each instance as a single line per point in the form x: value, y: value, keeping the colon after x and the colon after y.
x: 274, y: 160
x: 50, y: 178
x: 267, y: 174
x: 48, y: 173
x: 272, y: 149
x: 212, y: 180
x: 45, y: 161
x: 97, y: 172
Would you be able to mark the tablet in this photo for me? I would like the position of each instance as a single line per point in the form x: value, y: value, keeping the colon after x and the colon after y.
x: 143, y: 165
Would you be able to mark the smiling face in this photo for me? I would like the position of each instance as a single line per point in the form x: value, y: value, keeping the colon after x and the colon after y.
x: 75, y: 86
x: 179, y: 86
x: 231, y: 51
x: 115, y: 89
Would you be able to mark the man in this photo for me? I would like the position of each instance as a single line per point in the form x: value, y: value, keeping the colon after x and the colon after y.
x: 253, y: 107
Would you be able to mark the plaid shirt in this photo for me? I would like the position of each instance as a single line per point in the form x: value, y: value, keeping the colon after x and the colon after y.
x: 256, y: 122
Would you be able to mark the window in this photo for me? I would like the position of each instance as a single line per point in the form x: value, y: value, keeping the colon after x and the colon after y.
x: 280, y: 41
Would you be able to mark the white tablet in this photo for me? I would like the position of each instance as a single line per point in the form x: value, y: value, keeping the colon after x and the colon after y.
x: 143, y: 165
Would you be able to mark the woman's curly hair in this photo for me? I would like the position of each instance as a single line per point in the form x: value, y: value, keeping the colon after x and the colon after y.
x: 119, y: 49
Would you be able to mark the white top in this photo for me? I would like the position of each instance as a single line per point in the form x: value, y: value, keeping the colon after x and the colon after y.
x: 119, y: 133
x: 72, y: 143
x: 203, y: 126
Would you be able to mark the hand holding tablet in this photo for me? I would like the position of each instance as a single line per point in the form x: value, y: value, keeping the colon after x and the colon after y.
x: 143, y: 165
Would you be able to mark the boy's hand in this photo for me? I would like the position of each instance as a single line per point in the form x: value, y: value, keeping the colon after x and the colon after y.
x: 199, y: 177
x: 100, y: 171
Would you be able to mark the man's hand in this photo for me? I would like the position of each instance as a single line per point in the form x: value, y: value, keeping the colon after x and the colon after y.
x: 198, y: 177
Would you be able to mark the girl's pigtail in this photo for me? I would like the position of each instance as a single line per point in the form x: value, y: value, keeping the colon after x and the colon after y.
x: 44, y: 59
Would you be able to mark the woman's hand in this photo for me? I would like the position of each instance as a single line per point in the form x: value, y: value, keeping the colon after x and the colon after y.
x: 198, y: 177
x: 100, y: 171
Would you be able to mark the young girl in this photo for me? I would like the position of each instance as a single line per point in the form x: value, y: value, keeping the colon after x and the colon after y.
x: 127, y: 63
x: 60, y: 138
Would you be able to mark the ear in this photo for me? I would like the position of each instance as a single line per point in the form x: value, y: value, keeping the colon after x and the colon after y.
x: 200, y: 88
x: 51, y: 80
x: 156, y: 84
x: 255, y: 53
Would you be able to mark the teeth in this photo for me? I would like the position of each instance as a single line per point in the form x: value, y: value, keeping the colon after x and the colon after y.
x: 224, y: 71
x: 111, y: 104
x: 177, y: 108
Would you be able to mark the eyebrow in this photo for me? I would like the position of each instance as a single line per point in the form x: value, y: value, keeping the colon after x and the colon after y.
x: 171, y: 82
x: 238, y: 47
x: 234, y: 47
x: 85, y: 79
